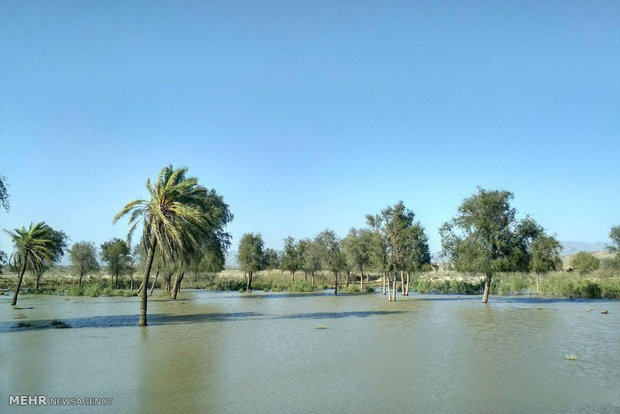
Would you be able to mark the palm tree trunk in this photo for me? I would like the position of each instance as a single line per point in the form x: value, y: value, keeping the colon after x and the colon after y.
x: 145, y: 283
x: 177, y: 285
x: 153, y: 285
x: 20, y: 280
x: 37, y: 281
x: 487, y: 287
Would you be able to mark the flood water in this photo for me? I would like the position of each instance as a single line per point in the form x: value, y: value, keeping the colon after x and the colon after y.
x: 314, y: 353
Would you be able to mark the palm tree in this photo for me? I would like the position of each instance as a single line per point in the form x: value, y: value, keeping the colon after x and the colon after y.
x: 175, y: 218
x: 33, y: 248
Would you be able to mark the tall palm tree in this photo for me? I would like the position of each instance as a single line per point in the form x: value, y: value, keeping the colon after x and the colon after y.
x: 34, y: 247
x: 175, y: 221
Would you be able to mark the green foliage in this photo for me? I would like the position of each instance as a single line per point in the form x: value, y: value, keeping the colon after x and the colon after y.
x: 39, y: 246
x: 272, y: 259
x: 250, y: 253
x: 545, y: 254
x: 400, y: 244
x: 332, y: 257
x: 75, y: 291
x: 357, y: 248
x: 451, y: 286
x: 115, y: 253
x: 229, y: 284
x: 292, y: 255
x: 300, y: 286
x: 584, y: 262
x: 510, y: 284
x: 93, y: 290
x: 83, y: 256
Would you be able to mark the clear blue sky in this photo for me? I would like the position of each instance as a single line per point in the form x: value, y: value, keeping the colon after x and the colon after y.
x: 309, y: 115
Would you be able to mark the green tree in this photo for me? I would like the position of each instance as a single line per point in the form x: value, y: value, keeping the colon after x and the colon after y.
x: 417, y: 254
x: 486, y: 237
x: 312, y: 258
x: 584, y: 262
x: 395, y: 229
x: 178, y: 217
x: 545, y: 256
x: 332, y: 257
x: 272, y: 259
x: 59, y: 242
x: 115, y: 253
x: 292, y: 257
x: 34, y: 247
x: 251, y: 256
x: 83, y: 256
x: 357, y: 248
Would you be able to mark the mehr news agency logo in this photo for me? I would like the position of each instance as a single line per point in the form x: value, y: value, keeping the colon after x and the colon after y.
x: 43, y: 400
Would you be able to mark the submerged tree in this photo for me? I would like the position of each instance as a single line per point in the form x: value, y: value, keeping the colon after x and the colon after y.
x: 332, y: 257
x: 34, y: 247
x: 357, y: 248
x: 545, y: 256
x: 251, y: 256
x: 83, y: 256
x: 486, y: 236
x: 4, y: 203
x: 178, y: 217
x: 396, y: 235
x: 115, y: 253
x: 312, y: 258
x: 292, y: 257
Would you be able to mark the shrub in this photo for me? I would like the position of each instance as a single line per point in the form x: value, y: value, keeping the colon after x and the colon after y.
x: 75, y: 291
x: 93, y: 290
x: 301, y: 286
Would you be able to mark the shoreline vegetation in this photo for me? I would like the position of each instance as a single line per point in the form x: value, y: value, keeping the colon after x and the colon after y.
x: 487, y: 249
x: 598, y: 285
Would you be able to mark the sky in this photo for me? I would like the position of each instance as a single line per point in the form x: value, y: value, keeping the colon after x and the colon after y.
x: 310, y: 115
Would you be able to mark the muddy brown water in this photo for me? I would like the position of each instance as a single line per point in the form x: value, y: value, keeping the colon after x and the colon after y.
x: 225, y: 352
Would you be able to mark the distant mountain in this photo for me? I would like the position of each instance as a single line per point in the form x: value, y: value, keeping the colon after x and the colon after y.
x: 572, y: 247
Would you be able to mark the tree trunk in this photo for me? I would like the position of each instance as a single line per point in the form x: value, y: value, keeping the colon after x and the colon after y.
x: 20, y: 280
x: 168, y: 282
x: 407, y: 288
x: 153, y: 285
x: 487, y: 287
x: 116, y: 282
x: 130, y: 282
x: 245, y: 276
x: 394, y: 289
x: 402, y: 283
x: 336, y: 284
x: 292, y: 277
x: 362, y: 280
x: 305, y: 276
x: 537, y: 283
x: 177, y: 285
x: 145, y: 282
x: 389, y: 291
x: 81, y: 275
x: 37, y: 280
x: 348, y: 277
x: 383, y: 279
x: 313, y: 280
x: 248, y: 287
